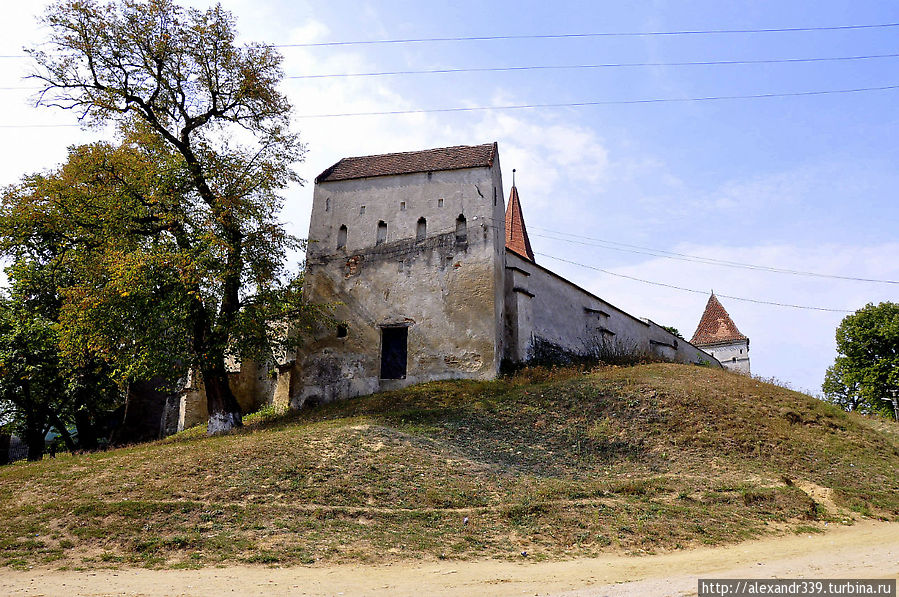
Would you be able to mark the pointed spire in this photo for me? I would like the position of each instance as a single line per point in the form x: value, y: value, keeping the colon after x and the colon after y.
x: 715, y: 325
x: 516, y: 234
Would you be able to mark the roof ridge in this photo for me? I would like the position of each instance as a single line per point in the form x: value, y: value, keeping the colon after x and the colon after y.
x: 414, y: 151
x: 453, y: 157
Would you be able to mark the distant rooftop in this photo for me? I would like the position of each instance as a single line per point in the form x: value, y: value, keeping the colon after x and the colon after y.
x: 409, y: 162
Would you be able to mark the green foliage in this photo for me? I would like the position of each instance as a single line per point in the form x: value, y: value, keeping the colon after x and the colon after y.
x: 672, y: 330
x: 30, y: 382
x: 39, y: 387
x: 867, y: 365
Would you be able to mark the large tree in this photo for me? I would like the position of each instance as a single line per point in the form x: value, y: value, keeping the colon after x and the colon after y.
x: 866, y: 370
x: 205, y: 151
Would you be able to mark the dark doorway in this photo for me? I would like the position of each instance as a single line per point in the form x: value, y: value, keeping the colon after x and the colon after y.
x: 393, y: 352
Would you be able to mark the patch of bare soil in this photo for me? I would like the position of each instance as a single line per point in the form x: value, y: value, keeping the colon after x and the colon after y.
x: 867, y: 549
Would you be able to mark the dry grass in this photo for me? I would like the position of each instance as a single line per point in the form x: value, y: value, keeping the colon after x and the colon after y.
x: 554, y: 463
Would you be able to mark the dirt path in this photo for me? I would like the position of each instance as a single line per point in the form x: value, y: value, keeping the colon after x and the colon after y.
x: 865, y: 550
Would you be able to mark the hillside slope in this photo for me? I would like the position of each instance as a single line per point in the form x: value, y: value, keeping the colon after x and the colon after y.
x: 555, y: 464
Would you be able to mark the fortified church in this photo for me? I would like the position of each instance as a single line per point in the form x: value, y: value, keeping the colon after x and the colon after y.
x: 432, y: 276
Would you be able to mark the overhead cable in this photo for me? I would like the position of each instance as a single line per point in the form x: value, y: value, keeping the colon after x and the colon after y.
x: 626, y: 248
x: 568, y: 36
x: 553, y: 105
x: 584, y: 35
x: 493, y: 69
x: 538, y: 67
x: 683, y: 289
x: 602, y: 103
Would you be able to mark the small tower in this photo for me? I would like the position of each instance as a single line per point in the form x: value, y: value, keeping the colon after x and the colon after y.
x: 717, y: 335
x: 516, y: 234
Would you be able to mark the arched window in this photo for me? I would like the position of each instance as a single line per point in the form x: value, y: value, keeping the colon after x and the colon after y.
x: 461, y: 229
x: 421, y: 231
x: 341, y: 236
x: 382, y: 232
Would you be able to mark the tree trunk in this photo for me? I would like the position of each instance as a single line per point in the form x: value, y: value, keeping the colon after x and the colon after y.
x: 35, y: 421
x: 34, y: 439
x: 224, y: 411
x: 87, y: 433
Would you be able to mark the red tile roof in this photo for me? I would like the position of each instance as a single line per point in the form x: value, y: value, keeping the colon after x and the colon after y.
x: 715, y: 326
x: 428, y: 160
x: 516, y: 234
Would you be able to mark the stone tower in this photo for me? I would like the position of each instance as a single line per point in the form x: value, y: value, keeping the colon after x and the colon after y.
x: 408, y: 248
x: 718, y: 335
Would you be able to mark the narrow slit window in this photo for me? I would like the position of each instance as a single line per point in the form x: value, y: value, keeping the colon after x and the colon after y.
x: 328, y: 204
x: 382, y: 233
x: 440, y: 203
x: 421, y: 230
x: 341, y: 236
x: 402, y: 206
x: 494, y: 196
x: 461, y: 229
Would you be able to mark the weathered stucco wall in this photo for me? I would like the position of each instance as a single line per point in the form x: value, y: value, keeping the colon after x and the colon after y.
x: 546, y: 314
x: 446, y: 287
x: 732, y: 355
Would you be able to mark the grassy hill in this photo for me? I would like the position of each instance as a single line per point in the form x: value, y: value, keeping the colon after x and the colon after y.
x: 552, y: 463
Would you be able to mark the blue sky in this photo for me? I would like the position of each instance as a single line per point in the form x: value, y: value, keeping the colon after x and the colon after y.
x: 802, y: 183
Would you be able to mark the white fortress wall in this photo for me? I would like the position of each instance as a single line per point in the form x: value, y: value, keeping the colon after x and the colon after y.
x: 547, y: 313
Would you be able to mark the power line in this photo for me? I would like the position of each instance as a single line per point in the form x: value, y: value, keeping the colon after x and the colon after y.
x: 38, y: 126
x: 565, y: 67
x: 583, y: 35
x: 566, y: 36
x: 493, y: 69
x: 553, y: 105
x: 626, y: 248
x: 681, y: 288
x: 603, y: 103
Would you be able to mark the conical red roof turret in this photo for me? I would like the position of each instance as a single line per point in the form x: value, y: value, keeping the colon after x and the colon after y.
x: 516, y: 233
x: 715, y: 325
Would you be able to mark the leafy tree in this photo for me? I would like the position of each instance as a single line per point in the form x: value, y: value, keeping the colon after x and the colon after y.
x: 31, y: 386
x: 178, y: 221
x: 39, y: 388
x: 867, y: 366
x: 673, y: 330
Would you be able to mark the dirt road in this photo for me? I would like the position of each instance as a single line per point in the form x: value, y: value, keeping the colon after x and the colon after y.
x: 866, y: 550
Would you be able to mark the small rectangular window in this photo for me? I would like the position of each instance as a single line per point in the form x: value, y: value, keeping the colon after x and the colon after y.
x: 362, y: 210
x: 440, y: 203
x: 402, y: 206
